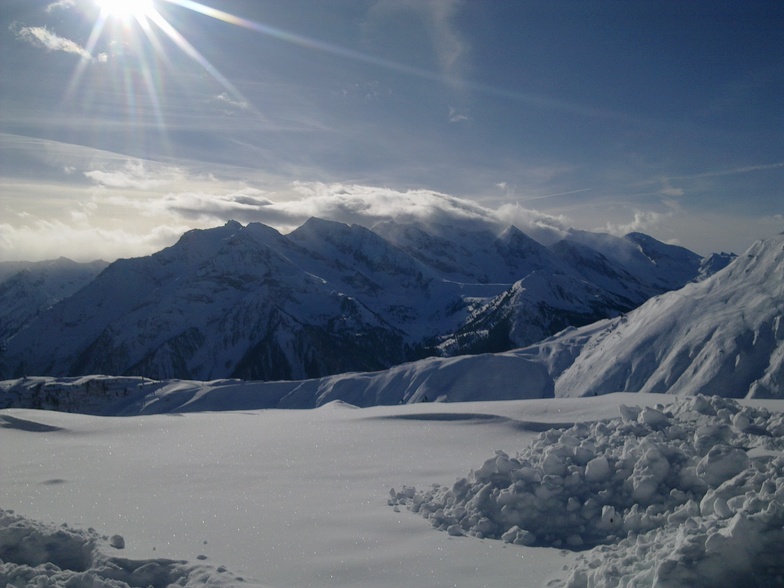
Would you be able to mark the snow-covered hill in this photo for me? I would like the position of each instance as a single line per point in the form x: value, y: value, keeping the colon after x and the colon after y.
x: 329, y: 298
x: 724, y: 335
x: 455, y: 379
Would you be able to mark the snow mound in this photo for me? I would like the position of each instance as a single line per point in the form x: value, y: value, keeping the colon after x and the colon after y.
x: 687, y: 495
x: 35, y: 554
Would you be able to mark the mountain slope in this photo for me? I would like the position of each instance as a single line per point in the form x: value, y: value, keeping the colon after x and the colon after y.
x: 26, y: 289
x: 664, y: 267
x: 219, y: 302
x: 534, y: 307
x: 724, y: 335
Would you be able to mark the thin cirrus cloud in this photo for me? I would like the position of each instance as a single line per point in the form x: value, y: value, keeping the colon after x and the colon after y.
x: 225, y: 99
x: 450, y: 49
x: 43, y: 37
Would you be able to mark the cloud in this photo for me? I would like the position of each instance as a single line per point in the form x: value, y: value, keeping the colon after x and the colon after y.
x: 245, y: 205
x: 545, y: 228
x: 644, y: 221
x: 449, y: 46
x: 227, y: 100
x: 43, y: 37
x: 456, y: 116
x: 47, y: 239
x: 668, y: 189
x: 134, y: 174
x: 351, y: 204
x: 732, y: 171
x: 60, y: 4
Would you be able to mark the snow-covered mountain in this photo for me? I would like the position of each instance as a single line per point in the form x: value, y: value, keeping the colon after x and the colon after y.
x: 665, y: 267
x: 723, y: 335
x: 328, y: 298
x: 28, y: 288
x: 540, y: 304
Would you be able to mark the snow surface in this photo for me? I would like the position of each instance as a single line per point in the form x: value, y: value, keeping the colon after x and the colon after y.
x: 37, y: 554
x: 302, y: 498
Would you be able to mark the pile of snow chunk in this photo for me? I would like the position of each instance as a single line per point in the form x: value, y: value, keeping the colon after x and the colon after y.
x: 690, y: 494
x: 35, y: 554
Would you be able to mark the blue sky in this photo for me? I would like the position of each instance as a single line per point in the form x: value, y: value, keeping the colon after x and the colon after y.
x: 119, y: 131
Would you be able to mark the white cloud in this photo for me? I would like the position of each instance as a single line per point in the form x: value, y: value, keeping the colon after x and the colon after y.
x: 543, y: 227
x: 644, y: 221
x: 449, y: 46
x: 226, y: 99
x: 136, y: 174
x: 357, y: 204
x: 457, y: 116
x: 60, y: 4
x: 43, y: 37
x: 45, y: 239
x: 447, y: 41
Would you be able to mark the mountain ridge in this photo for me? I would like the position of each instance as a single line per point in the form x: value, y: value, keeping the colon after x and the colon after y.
x: 250, y: 302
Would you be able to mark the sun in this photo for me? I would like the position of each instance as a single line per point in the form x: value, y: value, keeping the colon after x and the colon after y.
x: 124, y: 9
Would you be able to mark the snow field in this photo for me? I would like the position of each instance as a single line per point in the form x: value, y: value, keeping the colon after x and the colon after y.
x: 282, y: 498
x: 300, y: 498
x: 686, y: 495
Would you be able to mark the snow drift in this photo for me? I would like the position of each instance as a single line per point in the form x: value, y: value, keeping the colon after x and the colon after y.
x: 456, y: 379
x: 686, y: 495
x: 37, y: 554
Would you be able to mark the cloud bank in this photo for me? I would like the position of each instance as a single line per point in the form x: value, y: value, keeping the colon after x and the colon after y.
x: 362, y: 205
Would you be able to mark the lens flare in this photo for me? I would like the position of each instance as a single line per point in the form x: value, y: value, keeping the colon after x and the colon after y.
x: 125, y: 9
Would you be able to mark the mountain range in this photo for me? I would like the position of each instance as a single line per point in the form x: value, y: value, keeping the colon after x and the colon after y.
x: 721, y: 336
x: 249, y: 302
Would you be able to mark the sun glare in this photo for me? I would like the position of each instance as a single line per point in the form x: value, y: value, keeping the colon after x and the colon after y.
x: 126, y: 8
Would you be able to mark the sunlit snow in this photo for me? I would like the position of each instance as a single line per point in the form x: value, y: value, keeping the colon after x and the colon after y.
x: 688, y: 492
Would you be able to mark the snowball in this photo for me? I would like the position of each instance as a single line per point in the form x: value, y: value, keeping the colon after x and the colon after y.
x: 117, y: 541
